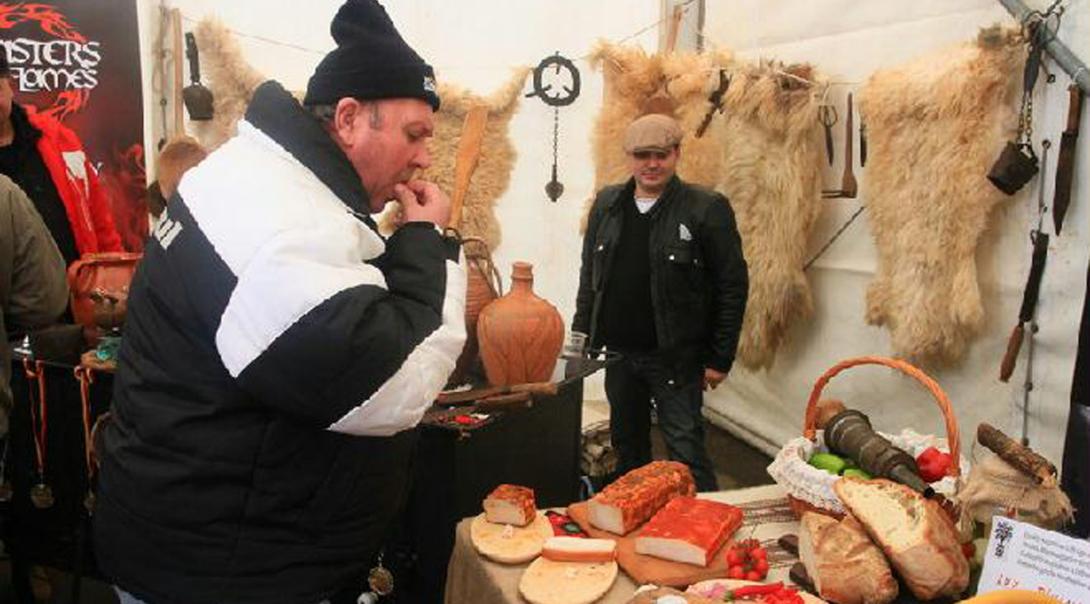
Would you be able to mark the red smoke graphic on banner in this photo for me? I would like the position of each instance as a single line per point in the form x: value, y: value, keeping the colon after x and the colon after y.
x: 54, y: 24
x: 57, y: 66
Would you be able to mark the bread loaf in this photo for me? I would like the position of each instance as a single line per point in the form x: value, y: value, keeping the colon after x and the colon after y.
x: 918, y: 538
x: 688, y: 530
x: 844, y: 564
x: 510, y: 504
x: 633, y: 498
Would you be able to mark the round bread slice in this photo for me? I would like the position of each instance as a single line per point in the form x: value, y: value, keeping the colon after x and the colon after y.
x: 509, y: 544
x: 549, y: 582
x: 706, y: 587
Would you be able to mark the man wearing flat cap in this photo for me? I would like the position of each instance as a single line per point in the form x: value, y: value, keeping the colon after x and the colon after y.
x: 663, y: 283
x: 277, y: 350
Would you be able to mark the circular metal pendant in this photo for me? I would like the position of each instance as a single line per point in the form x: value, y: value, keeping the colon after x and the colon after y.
x: 41, y: 496
x: 381, y: 581
x: 559, y: 88
x: 89, y: 503
x: 554, y: 189
x: 5, y: 491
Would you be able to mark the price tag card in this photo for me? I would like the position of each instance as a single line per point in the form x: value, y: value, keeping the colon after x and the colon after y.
x: 1022, y: 556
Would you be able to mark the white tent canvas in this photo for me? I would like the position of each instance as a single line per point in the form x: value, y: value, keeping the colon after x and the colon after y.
x: 475, y: 43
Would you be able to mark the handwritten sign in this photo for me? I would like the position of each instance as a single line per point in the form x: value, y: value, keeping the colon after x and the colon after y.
x: 1022, y: 556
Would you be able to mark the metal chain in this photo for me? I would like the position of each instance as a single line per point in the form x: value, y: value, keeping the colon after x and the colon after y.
x: 1025, y: 121
x: 556, y: 132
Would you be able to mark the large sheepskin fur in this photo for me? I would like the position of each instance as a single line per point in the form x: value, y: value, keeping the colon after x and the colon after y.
x: 935, y: 126
x: 233, y: 81
x: 764, y: 153
x: 497, y: 159
x: 637, y: 83
x: 773, y: 149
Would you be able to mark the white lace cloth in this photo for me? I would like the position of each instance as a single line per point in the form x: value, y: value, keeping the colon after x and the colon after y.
x: 814, y: 486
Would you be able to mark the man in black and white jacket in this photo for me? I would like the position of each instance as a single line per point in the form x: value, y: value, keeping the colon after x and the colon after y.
x: 277, y: 350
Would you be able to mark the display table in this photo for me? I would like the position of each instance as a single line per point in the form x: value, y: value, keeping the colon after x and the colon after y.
x: 457, y: 465
x: 471, y: 578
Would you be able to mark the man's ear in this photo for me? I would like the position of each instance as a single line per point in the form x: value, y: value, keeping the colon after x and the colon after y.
x: 346, y: 115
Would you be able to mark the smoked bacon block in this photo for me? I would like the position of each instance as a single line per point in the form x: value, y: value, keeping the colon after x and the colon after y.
x: 510, y: 504
x: 689, y: 530
x: 633, y: 498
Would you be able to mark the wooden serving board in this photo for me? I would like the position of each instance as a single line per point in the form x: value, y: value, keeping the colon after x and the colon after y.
x: 649, y: 569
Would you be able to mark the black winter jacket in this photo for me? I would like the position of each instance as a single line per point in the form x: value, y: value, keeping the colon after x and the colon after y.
x: 699, y: 278
x: 276, y: 354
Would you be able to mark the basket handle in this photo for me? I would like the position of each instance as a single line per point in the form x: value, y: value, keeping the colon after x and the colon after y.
x: 952, y: 434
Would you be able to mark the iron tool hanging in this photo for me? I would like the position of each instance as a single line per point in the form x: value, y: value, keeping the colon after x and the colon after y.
x: 1017, y: 163
x: 197, y: 98
x: 557, y: 88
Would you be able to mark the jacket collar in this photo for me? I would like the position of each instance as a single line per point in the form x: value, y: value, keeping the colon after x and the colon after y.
x: 276, y: 113
x: 25, y: 134
x: 628, y: 192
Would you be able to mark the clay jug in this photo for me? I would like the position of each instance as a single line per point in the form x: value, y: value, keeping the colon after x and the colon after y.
x: 483, y: 285
x: 520, y: 334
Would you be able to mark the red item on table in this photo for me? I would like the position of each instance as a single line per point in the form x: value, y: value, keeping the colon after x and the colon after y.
x: 933, y: 464
x: 689, y: 530
x: 633, y: 498
x: 564, y: 526
x: 747, y: 560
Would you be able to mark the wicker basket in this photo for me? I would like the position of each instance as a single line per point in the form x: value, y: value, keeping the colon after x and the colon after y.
x: 811, y: 489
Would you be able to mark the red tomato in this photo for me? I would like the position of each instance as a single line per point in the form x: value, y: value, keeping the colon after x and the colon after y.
x: 933, y: 464
x: 733, y: 558
x: 736, y: 572
x: 968, y: 549
x: 759, y: 553
x: 753, y: 576
x: 761, y: 566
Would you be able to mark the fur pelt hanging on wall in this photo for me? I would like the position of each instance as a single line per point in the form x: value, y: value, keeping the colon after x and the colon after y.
x: 637, y: 83
x: 493, y: 173
x: 773, y: 149
x: 233, y: 80
x: 935, y: 126
x: 765, y: 155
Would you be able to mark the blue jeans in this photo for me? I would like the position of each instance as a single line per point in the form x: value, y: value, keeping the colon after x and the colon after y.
x: 676, y: 385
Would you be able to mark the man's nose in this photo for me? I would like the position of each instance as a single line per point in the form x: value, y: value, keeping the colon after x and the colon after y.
x: 422, y: 160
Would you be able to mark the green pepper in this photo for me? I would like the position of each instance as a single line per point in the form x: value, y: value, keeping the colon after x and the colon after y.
x: 832, y: 464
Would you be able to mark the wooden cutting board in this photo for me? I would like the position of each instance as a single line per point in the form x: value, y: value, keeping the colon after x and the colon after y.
x: 648, y: 569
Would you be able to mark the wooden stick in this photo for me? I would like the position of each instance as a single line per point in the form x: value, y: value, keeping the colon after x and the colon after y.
x: 675, y: 25
x: 465, y: 163
x: 468, y: 396
x: 1010, y: 358
x: 176, y: 60
x: 1016, y: 454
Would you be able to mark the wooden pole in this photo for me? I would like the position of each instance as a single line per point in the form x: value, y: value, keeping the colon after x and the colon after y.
x: 675, y: 25
x: 176, y: 58
x: 1066, y: 59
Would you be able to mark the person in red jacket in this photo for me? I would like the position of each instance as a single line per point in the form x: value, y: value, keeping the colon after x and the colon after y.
x: 46, y: 159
